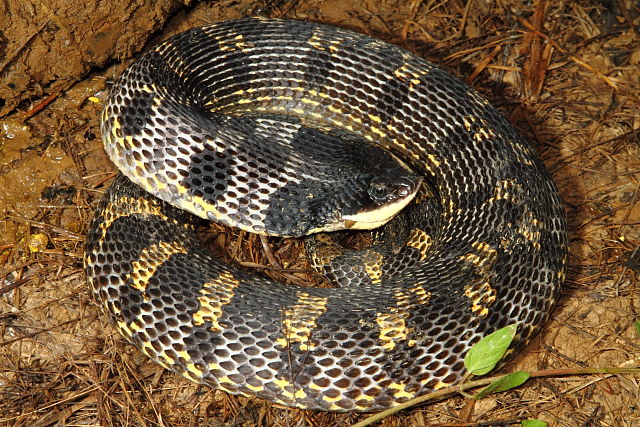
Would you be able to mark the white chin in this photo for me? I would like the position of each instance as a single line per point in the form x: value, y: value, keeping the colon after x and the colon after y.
x: 374, y: 218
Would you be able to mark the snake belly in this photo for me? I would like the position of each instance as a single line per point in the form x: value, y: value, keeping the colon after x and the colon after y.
x: 497, y: 258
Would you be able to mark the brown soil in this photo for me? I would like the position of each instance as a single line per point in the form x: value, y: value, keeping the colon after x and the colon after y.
x: 564, y: 72
x: 46, y: 46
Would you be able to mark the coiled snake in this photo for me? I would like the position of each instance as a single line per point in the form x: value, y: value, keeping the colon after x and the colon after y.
x: 185, y: 121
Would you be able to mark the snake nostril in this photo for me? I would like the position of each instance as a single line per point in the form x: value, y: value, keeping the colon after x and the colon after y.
x: 405, y: 189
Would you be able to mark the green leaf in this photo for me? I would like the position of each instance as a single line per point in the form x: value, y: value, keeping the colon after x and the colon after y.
x: 486, y: 353
x: 534, y: 423
x: 637, y: 325
x: 504, y: 383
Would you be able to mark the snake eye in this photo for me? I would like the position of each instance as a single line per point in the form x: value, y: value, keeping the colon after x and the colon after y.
x: 379, y: 192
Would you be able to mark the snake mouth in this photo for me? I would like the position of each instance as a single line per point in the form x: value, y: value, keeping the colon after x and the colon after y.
x: 378, y: 214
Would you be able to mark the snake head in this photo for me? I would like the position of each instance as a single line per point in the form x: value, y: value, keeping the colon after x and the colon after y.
x: 380, y: 200
x: 360, y: 188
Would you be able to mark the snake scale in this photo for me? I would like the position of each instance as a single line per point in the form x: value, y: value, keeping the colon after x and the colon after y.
x: 182, y: 121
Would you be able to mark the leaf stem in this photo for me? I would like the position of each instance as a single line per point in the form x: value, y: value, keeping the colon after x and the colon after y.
x: 460, y: 388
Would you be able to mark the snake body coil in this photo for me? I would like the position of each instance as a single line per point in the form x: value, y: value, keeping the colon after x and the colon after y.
x: 175, y: 124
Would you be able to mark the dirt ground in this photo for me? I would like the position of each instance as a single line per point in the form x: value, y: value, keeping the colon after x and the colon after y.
x: 566, y: 73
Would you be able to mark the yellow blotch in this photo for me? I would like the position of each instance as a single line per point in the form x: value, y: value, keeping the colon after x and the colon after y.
x: 165, y: 360
x: 440, y: 385
x: 420, y: 293
x: 506, y: 189
x: 191, y: 367
x: 297, y: 394
x: 169, y: 359
x: 377, y: 131
x: 531, y: 229
x: 316, y: 387
x: 227, y: 45
x: 366, y: 397
x: 483, y: 129
x: 522, y: 152
x: 373, y: 266
x: 393, y: 328
x: 300, y: 318
x: 472, y: 258
x: 255, y: 388
x: 124, y: 329
x: 310, y: 101
x: 334, y: 407
x: 562, y: 273
x: 318, y: 43
x: 468, y: 121
x: 211, y: 309
x: 314, y: 41
x: 400, y: 391
x: 150, y: 260
x: 240, y: 44
x: 375, y: 118
x: 482, y: 297
x: 484, y: 255
x: 335, y: 109
x: 282, y: 383
x: 401, y: 73
x: 333, y: 399
x: 136, y: 325
x: 313, y: 92
x: 451, y: 207
x: 421, y: 241
x: 483, y: 134
x: 114, y: 130
x: 434, y: 161
x: 183, y: 354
